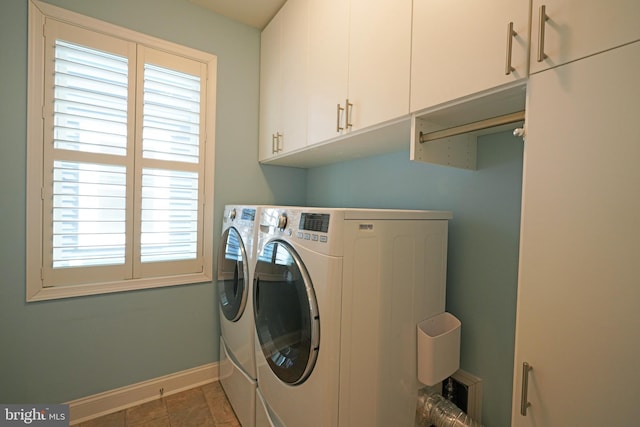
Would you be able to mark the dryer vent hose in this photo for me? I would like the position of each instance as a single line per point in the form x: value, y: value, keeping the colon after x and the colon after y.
x: 434, y: 409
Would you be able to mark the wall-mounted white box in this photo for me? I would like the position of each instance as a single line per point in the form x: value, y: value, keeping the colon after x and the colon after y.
x: 438, y: 348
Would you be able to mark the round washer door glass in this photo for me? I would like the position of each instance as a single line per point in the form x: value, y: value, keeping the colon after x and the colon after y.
x: 286, y: 313
x: 233, y: 274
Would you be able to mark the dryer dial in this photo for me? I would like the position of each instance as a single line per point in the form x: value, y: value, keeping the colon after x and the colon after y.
x: 282, y: 221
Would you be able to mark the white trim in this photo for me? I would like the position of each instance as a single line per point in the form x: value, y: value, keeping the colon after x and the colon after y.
x: 35, y: 289
x: 113, y: 30
x: 210, y: 163
x: 108, y: 402
x: 56, y: 292
x: 35, y: 130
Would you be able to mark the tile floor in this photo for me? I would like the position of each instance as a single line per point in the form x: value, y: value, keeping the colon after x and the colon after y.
x: 205, y: 406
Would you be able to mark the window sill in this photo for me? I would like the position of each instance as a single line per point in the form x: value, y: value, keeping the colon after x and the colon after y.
x: 70, y: 291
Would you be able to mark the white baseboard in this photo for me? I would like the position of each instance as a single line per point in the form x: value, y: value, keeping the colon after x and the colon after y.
x: 87, y: 408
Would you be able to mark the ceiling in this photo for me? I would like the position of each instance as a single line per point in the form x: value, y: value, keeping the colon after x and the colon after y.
x: 255, y: 13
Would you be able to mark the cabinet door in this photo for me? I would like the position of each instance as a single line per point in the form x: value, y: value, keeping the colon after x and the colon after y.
x: 460, y: 48
x: 283, y: 81
x: 579, y: 28
x: 294, y: 75
x: 270, y: 87
x: 328, y: 64
x: 379, y: 61
x: 578, y: 322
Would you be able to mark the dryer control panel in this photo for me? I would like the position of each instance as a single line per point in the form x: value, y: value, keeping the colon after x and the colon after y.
x: 314, y: 228
x: 318, y: 222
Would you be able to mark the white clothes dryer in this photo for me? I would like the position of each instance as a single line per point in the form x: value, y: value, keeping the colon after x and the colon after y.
x: 236, y: 260
x: 337, y: 297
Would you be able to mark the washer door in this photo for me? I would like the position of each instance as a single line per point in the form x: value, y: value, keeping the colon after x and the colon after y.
x: 286, y: 313
x: 233, y: 274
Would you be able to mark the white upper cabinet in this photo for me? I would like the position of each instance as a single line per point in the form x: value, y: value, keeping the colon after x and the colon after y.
x: 464, y: 47
x: 359, y: 65
x: 283, y: 81
x: 294, y: 74
x: 270, y: 88
x: 379, y: 61
x: 566, y: 30
x: 328, y: 68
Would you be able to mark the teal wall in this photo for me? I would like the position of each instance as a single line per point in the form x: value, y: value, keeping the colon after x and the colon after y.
x: 61, y: 350
x: 483, y: 243
x: 65, y: 349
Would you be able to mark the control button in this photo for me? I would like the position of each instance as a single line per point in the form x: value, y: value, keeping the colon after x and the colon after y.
x: 299, y: 235
x: 307, y: 236
x: 323, y: 239
x: 232, y: 214
x: 314, y: 237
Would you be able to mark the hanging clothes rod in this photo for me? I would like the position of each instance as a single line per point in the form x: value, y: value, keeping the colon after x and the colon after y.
x: 472, y: 127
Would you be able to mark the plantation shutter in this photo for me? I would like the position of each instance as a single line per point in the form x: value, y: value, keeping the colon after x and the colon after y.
x: 171, y: 91
x: 123, y: 188
x: 88, y: 184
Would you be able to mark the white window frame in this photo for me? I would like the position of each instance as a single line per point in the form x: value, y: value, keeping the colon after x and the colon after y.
x: 35, y: 244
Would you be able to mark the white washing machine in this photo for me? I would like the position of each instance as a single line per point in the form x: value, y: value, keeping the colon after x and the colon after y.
x: 236, y: 260
x: 337, y: 297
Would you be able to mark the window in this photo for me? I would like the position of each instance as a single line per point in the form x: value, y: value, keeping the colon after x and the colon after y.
x: 120, y: 158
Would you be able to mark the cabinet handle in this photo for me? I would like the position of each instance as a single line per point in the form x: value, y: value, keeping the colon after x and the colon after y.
x: 524, y: 401
x: 349, y: 107
x: 541, y: 27
x: 279, y: 138
x: 273, y: 143
x: 338, y: 127
x: 510, y: 35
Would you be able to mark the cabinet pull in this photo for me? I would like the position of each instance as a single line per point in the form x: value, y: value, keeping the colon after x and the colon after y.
x: 510, y: 35
x: 279, y: 138
x: 541, y: 27
x: 349, y: 109
x: 524, y: 401
x: 275, y: 142
x: 338, y: 127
